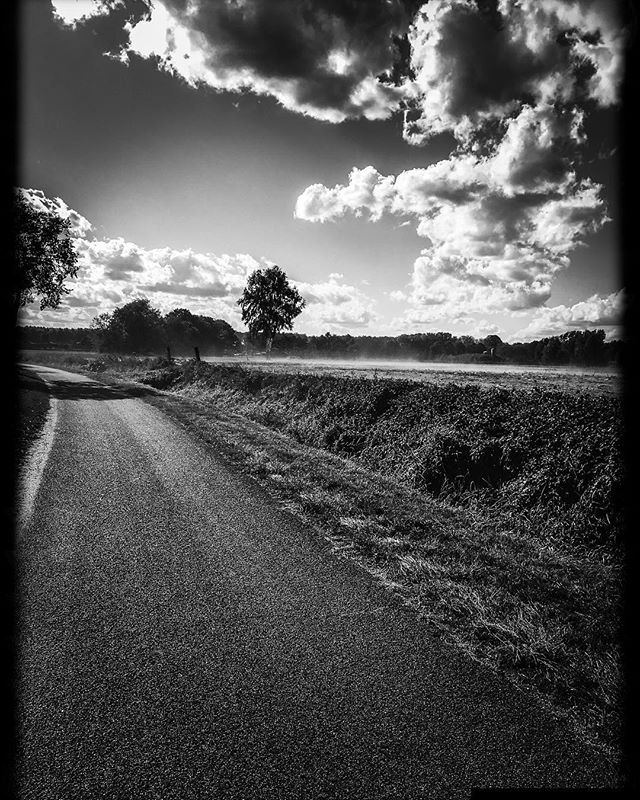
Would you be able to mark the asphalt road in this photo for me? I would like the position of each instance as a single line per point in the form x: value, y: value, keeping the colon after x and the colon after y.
x: 180, y: 636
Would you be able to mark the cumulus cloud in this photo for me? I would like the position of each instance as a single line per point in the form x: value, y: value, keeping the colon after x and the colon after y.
x: 597, y: 311
x: 79, y: 225
x: 207, y: 283
x: 512, y: 81
x: 499, y: 226
x: 71, y: 12
x: 315, y: 57
x: 473, y: 65
x: 114, y: 271
x: 452, y: 64
x: 334, y: 305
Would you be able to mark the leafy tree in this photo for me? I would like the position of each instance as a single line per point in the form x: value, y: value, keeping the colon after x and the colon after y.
x: 492, y: 341
x: 269, y: 304
x: 551, y: 352
x: 182, y: 331
x: 135, y: 327
x: 44, y: 255
x: 216, y: 335
x: 186, y: 330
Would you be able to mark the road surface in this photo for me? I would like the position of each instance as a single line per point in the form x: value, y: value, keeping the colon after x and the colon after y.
x: 180, y: 636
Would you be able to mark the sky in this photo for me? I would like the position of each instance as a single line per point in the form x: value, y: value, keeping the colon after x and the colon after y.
x: 441, y: 166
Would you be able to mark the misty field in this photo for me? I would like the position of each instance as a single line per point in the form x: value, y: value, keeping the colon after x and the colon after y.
x: 601, y: 380
x: 490, y: 501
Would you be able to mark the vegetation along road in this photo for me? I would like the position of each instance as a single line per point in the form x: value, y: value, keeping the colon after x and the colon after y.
x: 182, y: 636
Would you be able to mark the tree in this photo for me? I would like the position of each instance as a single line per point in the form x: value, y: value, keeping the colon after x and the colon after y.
x: 135, y: 327
x: 44, y: 256
x: 182, y: 331
x: 185, y: 331
x: 269, y: 304
x: 492, y: 341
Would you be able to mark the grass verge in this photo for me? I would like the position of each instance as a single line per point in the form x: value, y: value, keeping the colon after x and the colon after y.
x: 32, y: 405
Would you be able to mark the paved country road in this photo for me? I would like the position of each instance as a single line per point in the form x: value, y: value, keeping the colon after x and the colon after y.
x: 180, y: 636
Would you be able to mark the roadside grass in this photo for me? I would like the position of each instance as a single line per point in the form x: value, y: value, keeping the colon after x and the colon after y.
x: 31, y: 407
x: 87, y: 361
x: 531, y: 606
x: 538, y: 614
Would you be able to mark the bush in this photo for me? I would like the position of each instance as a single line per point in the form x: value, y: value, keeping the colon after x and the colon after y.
x: 519, y: 451
x: 96, y: 365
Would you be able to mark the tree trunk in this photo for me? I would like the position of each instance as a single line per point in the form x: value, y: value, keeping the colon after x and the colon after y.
x: 268, y: 343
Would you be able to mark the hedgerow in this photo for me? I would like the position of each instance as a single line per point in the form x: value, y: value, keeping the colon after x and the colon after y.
x: 546, y: 454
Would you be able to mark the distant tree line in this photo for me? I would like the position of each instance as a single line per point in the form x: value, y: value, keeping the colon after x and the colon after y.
x: 579, y: 348
x: 45, y: 258
x: 34, y: 337
x: 575, y: 348
x: 139, y: 328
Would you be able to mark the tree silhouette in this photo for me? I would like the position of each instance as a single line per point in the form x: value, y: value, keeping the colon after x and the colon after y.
x: 269, y: 304
x: 185, y: 331
x: 135, y: 327
x: 44, y: 256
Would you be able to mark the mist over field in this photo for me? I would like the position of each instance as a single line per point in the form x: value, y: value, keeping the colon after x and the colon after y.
x: 371, y: 365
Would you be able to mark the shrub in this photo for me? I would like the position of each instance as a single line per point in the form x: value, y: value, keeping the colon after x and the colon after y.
x: 520, y: 451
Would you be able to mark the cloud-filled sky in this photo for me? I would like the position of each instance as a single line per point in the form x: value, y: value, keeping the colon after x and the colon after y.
x: 448, y: 165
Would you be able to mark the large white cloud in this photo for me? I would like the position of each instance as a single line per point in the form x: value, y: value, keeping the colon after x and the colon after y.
x: 505, y: 211
x: 454, y: 63
x: 71, y: 12
x: 335, y: 305
x: 499, y: 226
x: 597, y: 311
x: 79, y: 225
x: 113, y: 271
x: 472, y: 66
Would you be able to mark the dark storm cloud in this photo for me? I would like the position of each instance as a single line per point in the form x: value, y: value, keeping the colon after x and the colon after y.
x: 473, y: 66
x: 450, y: 61
x: 291, y: 38
x: 490, y: 68
x: 317, y: 57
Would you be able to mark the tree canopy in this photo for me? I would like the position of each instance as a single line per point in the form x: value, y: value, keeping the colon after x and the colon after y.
x: 135, y: 327
x: 138, y: 327
x: 269, y: 304
x: 44, y: 255
x: 185, y: 330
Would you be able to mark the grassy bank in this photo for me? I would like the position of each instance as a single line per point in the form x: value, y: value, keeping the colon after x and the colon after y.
x: 547, y: 459
x: 494, y: 512
x: 31, y: 408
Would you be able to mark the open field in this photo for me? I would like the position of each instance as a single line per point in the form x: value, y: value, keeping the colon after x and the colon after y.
x: 490, y: 507
x: 602, y: 380
x: 596, y: 379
